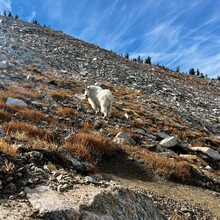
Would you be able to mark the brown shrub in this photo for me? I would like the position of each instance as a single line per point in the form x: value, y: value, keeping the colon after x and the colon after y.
x: 31, y: 115
x: 89, y: 145
x: 31, y: 131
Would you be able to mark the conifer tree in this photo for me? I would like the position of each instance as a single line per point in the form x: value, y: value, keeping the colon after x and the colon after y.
x: 148, y: 60
x: 127, y: 56
x: 9, y: 14
x: 192, y: 71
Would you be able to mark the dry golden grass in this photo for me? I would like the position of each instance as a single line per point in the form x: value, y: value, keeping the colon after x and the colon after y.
x: 5, y: 116
x: 32, y: 142
x: 31, y: 131
x: 168, y: 168
x: 58, y: 95
x: 89, y: 145
x: 7, y: 148
x: 31, y: 115
x: 66, y: 112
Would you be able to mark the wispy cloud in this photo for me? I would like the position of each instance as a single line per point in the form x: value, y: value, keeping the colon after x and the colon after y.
x: 5, y: 5
x: 174, y: 33
x: 32, y: 16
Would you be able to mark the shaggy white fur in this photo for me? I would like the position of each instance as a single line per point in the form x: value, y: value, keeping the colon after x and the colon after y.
x: 100, y: 99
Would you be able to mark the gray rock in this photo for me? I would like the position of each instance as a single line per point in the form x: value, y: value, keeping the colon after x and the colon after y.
x: 12, y: 101
x: 123, y: 138
x: 4, y: 64
x: 75, y: 163
x: 84, y: 73
x: 80, y: 96
x: 208, y: 151
x: 169, y: 142
x: 93, y: 203
x: 2, y: 133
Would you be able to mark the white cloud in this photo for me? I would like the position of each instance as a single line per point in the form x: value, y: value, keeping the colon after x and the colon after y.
x: 5, y: 5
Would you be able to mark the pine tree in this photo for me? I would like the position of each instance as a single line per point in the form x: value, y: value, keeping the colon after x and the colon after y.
x: 178, y: 69
x: 4, y: 13
x: 16, y: 17
x: 35, y: 21
x: 9, y: 14
x: 148, y: 60
x: 192, y: 71
x: 127, y: 56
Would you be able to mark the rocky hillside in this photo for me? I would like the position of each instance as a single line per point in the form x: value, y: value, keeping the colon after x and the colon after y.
x: 164, y: 134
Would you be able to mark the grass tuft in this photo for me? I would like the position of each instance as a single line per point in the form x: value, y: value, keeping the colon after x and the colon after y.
x: 66, y: 112
x: 31, y: 115
x: 31, y: 131
x: 168, y: 168
x: 89, y: 145
x: 5, y: 116
x: 7, y: 148
x: 58, y: 95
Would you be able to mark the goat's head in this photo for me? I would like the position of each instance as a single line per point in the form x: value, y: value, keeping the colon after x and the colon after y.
x: 87, y: 92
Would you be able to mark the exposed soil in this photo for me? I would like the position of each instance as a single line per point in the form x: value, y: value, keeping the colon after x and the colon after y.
x: 130, y: 174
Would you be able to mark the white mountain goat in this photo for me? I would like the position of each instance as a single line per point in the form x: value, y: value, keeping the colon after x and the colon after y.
x: 100, y: 99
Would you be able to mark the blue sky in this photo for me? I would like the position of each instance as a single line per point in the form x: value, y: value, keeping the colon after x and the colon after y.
x: 173, y: 32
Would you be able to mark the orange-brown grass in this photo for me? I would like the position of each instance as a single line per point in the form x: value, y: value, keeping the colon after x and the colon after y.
x: 89, y: 145
x: 66, y: 112
x: 12, y: 108
x: 31, y: 131
x: 170, y: 169
x: 86, y: 127
x: 7, y: 148
x: 5, y: 116
x: 31, y: 115
x: 58, y: 95
x: 175, y: 217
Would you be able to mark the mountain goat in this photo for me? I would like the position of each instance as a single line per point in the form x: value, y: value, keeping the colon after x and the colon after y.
x: 100, y: 99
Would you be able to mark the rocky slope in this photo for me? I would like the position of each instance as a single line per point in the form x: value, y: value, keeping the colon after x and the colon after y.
x: 169, y: 123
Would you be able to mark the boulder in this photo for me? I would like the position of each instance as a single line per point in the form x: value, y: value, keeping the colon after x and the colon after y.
x: 88, y: 202
x: 123, y: 138
x: 168, y: 142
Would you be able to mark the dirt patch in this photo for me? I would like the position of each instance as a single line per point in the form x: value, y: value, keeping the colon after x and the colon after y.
x: 131, y: 174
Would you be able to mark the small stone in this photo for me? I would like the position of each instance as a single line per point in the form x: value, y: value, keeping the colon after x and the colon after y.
x: 12, y: 101
x: 123, y: 138
x: 168, y: 142
x: 22, y: 193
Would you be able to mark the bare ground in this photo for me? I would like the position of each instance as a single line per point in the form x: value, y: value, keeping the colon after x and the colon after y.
x: 130, y: 174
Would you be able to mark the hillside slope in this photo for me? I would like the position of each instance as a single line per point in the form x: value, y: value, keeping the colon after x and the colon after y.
x: 57, y: 128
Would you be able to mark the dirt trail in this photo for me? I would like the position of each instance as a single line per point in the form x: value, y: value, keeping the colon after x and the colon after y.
x: 205, y: 198
x: 129, y: 174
